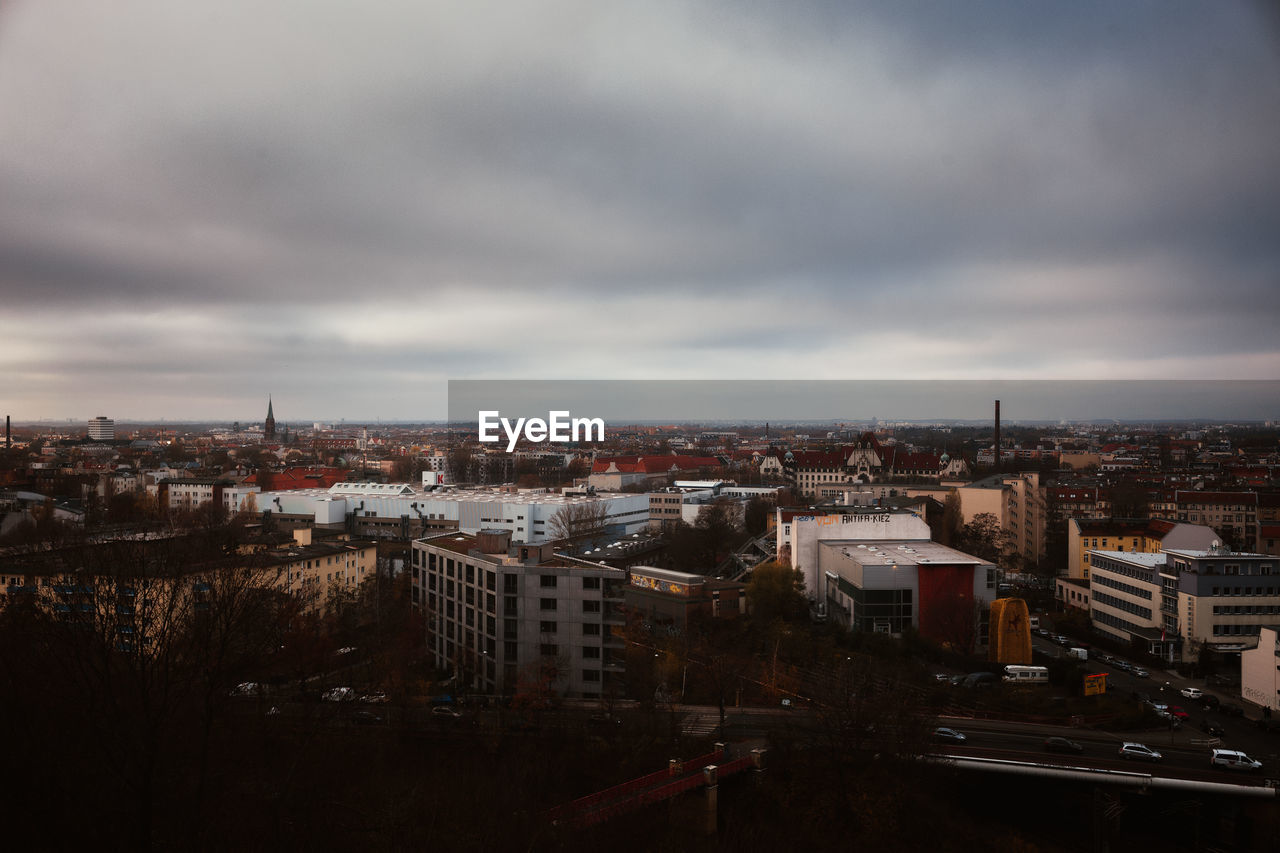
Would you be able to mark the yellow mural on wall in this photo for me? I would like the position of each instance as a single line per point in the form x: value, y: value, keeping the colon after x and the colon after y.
x: 1010, y: 632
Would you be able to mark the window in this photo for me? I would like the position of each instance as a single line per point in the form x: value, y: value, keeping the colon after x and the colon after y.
x: 509, y: 650
x: 590, y: 630
x: 509, y: 584
x: 509, y: 627
x: 591, y: 583
x: 549, y: 650
x: 547, y: 627
x: 590, y: 607
x: 471, y: 573
x: 590, y: 652
x: 547, y: 581
x: 591, y: 675
x: 547, y: 604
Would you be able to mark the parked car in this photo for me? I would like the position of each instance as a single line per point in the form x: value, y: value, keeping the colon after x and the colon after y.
x: 1061, y: 744
x: 446, y: 712
x: 366, y: 718
x: 1192, y: 693
x: 1233, y: 760
x: 339, y: 694
x: 377, y: 697
x: 1138, y: 752
x: 945, y: 735
x: 1122, y: 665
x: 1212, y: 728
x: 1178, y: 712
x: 1231, y: 710
x: 1210, y: 701
x: 1139, y: 672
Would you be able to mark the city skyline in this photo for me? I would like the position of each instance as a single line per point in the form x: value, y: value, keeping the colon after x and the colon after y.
x: 347, y: 207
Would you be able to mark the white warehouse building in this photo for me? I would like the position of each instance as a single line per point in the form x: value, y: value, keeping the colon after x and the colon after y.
x: 399, y: 510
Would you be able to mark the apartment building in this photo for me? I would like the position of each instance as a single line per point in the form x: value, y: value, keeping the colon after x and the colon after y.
x: 1149, y: 536
x: 1181, y: 602
x: 506, y: 617
x: 1234, y: 515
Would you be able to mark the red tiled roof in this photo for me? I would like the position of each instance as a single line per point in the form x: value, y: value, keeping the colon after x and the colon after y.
x: 299, y: 478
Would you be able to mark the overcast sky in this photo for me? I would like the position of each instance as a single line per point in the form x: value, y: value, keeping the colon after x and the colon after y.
x: 345, y: 204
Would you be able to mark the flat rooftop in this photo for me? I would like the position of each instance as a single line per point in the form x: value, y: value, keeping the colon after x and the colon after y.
x: 907, y: 552
x: 1137, y: 558
x: 449, y: 495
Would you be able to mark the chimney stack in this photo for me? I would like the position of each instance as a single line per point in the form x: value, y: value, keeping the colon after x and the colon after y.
x: 997, y: 438
x: 8, y: 435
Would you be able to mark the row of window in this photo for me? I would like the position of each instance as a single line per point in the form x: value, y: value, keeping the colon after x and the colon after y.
x: 1235, y: 630
x: 1245, y: 590
x: 1245, y: 609
x: 1104, y: 580
x: 1121, y: 604
x: 1103, y: 618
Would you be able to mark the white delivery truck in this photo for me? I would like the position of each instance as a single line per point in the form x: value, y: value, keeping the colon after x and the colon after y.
x: 1082, y: 654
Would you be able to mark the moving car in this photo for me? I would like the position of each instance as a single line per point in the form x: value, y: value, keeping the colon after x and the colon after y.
x: 1178, y: 712
x: 1061, y: 744
x: 446, y: 712
x: 948, y: 736
x: 339, y: 694
x: 1138, y: 751
x: 1233, y: 760
x: 1192, y: 693
x: 366, y: 718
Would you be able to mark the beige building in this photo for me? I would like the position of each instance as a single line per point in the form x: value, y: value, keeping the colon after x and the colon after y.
x: 1182, y: 602
x: 1259, y: 670
x: 508, y: 617
x: 1148, y: 536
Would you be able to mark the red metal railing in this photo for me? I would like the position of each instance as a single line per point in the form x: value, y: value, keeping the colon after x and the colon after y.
x: 625, y: 789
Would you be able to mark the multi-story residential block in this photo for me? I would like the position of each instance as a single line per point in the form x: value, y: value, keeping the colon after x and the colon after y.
x: 675, y: 505
x: 1234, y: 515
x: 507, y: 617
x: 866, y: 461
x: 124, y: 586
x: 1148, y: 536
x: 102, y: 429
x: 1179, y: 602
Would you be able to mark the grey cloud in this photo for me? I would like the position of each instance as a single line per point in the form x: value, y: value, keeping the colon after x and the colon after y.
x: 835, y: 167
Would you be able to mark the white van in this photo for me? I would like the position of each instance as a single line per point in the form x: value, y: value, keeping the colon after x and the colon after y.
x: 1233, y: 760
x: 1026, y: 674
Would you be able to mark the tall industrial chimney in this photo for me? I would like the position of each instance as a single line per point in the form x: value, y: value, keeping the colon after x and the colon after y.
x: 8, y: 435
x: 997, y: 438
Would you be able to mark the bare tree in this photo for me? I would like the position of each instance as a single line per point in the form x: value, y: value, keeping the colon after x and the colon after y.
x: 579, y: 523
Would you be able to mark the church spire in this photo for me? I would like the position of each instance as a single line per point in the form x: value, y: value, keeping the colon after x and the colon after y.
x: 269, y: 426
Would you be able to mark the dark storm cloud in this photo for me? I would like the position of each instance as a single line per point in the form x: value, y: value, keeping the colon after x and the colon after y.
x: 785, y: 181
